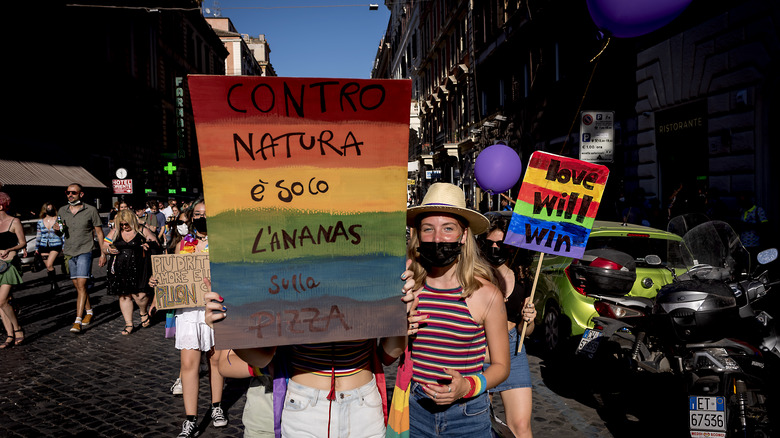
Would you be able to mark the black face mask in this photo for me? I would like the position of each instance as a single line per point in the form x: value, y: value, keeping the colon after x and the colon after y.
x: 439, y: 254
x: 199, y: 224
x: 51, y: 212
x: 495, y: 255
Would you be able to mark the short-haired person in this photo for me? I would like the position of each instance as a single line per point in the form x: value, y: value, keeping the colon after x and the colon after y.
x: 513, y: 279
x: 81, y: 222
x: 463, y: 313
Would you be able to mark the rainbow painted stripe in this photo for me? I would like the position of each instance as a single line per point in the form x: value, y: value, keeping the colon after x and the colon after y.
x: 557, y: 205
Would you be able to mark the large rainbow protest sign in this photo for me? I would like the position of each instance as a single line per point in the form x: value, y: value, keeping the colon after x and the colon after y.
x: 305, y: 189
x: 557, y: 205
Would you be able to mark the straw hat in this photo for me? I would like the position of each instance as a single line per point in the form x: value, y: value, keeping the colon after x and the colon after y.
x: 448, y: 198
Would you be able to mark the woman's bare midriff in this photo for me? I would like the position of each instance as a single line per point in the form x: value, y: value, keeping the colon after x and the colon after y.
x: 342, y: 383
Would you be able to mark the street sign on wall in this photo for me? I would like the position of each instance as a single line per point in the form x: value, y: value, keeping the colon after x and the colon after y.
x: 597, y: 134
x: 122, y: 186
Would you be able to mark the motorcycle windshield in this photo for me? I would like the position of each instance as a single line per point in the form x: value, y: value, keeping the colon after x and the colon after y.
x: 715, y: 243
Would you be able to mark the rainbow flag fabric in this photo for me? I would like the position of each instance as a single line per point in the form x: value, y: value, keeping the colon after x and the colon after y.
x: 557, y: 205
x: 305, y: 188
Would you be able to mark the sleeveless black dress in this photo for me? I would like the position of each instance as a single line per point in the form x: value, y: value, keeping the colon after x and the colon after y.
x: 126, y: 269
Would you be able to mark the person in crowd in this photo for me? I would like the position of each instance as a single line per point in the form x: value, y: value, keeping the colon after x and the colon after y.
x: 168, y: 210
x: 47, y: 242
x: 112, y: 214
x: 11, y: 242
x: 146, y: 219
x: 159, y: 217
x: 513, y: 280
x: 180, y: 227
x: 128, y: 245
x: 193, y: 336
x: 81, y: 221
x: 464, y: 316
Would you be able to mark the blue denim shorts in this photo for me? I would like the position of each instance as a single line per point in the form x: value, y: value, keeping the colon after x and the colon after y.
x: 519, y: 372
x: 467, y: 418
x: 80, y: 266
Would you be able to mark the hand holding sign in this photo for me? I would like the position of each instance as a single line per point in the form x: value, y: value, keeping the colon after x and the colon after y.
x: 179, y: 280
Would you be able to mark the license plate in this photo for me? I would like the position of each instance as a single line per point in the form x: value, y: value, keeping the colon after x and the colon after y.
x: 707, y: 414
x: 589, y: 342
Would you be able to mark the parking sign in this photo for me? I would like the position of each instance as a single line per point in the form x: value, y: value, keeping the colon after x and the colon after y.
x: 597, y: 132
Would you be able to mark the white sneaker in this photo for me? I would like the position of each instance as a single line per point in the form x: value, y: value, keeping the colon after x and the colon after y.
x: 188, y: 429
x: 218, y: 417
x: 176, y: 387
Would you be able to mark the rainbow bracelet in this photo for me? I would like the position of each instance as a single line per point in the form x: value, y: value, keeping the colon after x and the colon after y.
x: 106, y: 239
x: 478, y: 385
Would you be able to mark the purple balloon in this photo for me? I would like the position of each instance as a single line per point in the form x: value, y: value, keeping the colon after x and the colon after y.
x: 631, y: 18
x: 498, y: 168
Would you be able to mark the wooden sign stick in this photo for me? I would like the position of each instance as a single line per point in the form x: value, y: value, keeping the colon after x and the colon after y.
x: 533, y: 289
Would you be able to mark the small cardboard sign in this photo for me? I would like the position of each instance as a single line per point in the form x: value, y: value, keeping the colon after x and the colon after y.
x: 180, y: 280
x: 557, y: 205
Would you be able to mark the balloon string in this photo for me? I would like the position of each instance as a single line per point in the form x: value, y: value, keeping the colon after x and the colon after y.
x: 597, y: 58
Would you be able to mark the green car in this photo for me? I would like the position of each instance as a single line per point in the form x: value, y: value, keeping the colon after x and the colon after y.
x: 564, y: 311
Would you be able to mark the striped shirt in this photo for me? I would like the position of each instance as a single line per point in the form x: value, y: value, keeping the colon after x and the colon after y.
x: 449, y: 338
x: 345, y: 358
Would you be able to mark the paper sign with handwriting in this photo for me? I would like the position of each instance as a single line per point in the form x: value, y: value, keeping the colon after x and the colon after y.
x: 557, y: 205
x: 180, y: 280
x: 305, y: 188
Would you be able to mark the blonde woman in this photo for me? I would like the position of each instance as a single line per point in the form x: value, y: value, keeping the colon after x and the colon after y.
x: 128, y: 246
x: 460, y: 314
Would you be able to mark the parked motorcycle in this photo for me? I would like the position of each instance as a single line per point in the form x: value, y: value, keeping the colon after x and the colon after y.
x: 707, y: 327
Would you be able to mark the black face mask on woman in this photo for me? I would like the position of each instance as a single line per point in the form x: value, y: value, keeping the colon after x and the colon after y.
x: 495, y: 255
x: 439, y: 254
x: 199, y: 224
x: 51, y: 212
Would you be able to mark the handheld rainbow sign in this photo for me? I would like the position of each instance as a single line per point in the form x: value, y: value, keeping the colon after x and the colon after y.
x: 305, y: 188
x: 557, y: 205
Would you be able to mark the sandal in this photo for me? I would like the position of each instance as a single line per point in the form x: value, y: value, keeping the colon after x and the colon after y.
x: 7, y: 342
x: 145, y: 322
x: 18, y: 340
x: 126, y: 332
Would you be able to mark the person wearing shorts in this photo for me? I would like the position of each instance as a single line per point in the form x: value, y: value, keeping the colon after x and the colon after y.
x: 512, y: 275
x: 80, y: 222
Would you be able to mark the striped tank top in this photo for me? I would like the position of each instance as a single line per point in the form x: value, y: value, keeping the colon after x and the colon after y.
x: 339, y: 359
x: 449, y: 338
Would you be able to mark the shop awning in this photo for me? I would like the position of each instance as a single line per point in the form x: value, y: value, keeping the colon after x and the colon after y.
x: 30, y: 173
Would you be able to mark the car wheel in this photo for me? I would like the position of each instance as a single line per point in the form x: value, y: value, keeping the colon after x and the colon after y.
x: 552, y: 330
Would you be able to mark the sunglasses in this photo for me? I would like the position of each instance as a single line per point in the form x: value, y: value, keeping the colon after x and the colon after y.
x: 124, y: 224
x: 180, y: 222
x: 487, y: 243
x: 71, y: 192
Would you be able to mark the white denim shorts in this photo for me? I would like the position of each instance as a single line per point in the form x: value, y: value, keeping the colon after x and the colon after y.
x: 356, y: 413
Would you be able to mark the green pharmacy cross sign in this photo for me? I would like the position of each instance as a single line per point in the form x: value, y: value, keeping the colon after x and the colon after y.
x: 170, y: 168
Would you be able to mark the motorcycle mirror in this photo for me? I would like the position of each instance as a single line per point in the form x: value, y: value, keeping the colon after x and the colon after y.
x: 767, y: 256
x: 653, y: 260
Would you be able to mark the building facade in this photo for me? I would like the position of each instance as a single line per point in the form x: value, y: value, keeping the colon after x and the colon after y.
x: 693, y: 102
x: 110, y: 91
x: 247, y: 56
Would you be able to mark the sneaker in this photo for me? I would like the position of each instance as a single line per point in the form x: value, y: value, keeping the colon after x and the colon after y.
x: 188, y: 429
x: 76, y: 327
x: 176, y: 387
x: 87, y: 319
x: 218, y: 418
